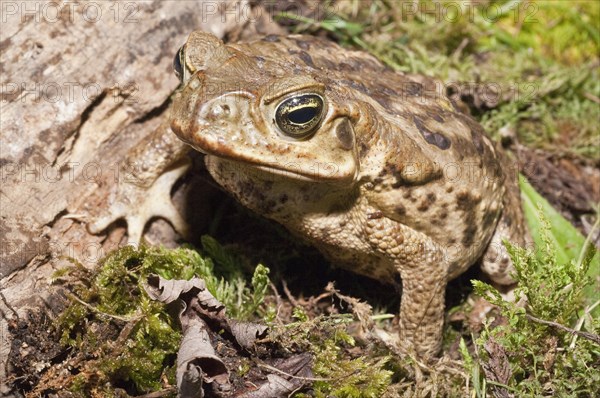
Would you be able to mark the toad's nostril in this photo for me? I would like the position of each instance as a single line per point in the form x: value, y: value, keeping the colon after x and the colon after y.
x: 218, y: 111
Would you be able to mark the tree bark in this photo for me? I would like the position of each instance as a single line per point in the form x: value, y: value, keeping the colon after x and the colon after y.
x: 81, y: 84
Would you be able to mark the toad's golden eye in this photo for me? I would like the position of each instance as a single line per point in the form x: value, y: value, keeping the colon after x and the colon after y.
x: 299, y: 116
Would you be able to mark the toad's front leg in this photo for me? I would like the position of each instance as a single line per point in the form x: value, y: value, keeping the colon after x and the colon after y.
x: 143, y: 189
x: 423, y: 270
x: 423, y: 302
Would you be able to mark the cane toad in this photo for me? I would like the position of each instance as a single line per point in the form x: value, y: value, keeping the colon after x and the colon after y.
x: 375, y: 168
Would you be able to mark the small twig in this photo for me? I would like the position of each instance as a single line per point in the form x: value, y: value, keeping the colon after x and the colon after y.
x: 495, y: 383
x: 276, y: 294
x: 587, y: 243
x: 158, y: 394
x: 271, y: 368
x: 125, y: 333
x: 591, y: 97
x: 587, y: 311
x: 96, y: 310
x: 590, y: 336
x: 7, y: 305
x: 380, y: 317
x: 456, y: 54
x: 278, y: 302
x: 289, y: 295
x: 76, y: 216
x: 322, y: 296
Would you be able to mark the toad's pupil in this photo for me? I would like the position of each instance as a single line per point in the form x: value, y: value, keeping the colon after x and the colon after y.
x: 302, y: 115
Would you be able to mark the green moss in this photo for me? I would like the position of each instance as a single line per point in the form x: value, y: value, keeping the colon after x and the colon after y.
x: 131, y: 338
x: 337, y: 372
x: 348, y: 377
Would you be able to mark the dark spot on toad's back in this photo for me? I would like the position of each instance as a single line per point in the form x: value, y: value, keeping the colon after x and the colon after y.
x: 384, y: 100
x: 477, y: 141
x: 436, y: 116
x: 388, y: 91
x: 303, y: 44
x: 363, y: 149
x: 271, y: 38
x: 328, y: 64
x: 307, y: 59
x: 392, y: 169
x: 358, y: 63
x: 470, y: 231
x: 4, y: 44
x: 357, y: 86
x: 260, y: 60
x: 268, y: 206
x: 488, y: 220
x: 400, y: 210
x: 426, y: 202
x: 466, y: 201
x: 413, y: 88
x: 346, y: 67
x: 431, y: 137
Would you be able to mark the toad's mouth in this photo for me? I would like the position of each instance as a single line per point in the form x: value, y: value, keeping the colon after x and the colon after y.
x: 304, y: 168
x: 262, y: 171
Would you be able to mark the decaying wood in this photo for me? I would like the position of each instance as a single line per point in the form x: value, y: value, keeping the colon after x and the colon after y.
x: 81, y: 84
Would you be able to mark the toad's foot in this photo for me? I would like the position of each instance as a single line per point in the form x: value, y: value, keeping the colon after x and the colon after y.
x: 138, y: 204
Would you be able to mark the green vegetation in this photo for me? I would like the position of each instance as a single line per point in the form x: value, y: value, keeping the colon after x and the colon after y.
x: 113, y: 302
x: 542, y: 347
x: 568, y: 244
x: 338, y: 373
